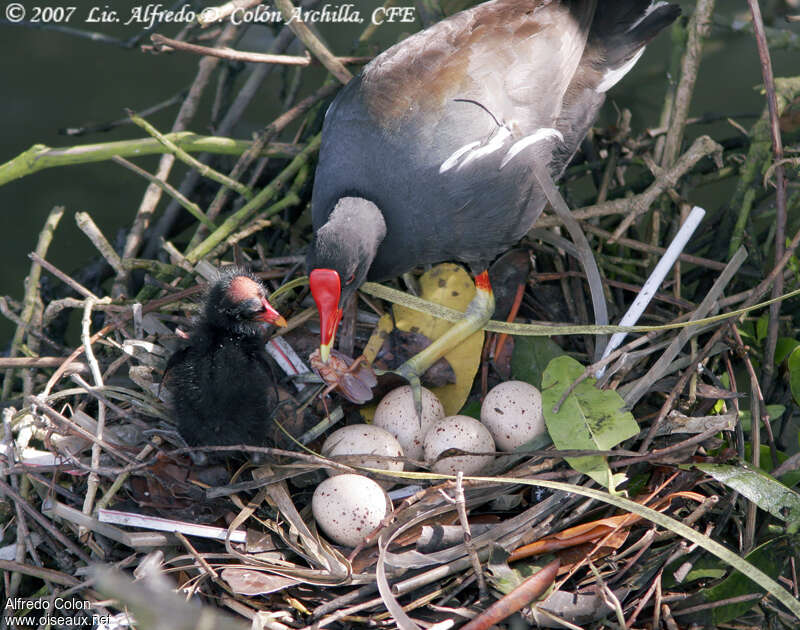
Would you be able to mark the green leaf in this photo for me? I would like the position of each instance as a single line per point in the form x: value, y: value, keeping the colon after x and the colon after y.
x: 531, y: 356
x: 770, y: 558
x: 589, y: 418
x: 762, y: 323
x: 784, y: 348
x: 471, y: 409
x: 793, y: 364
x: 765, y: 491
x: 766, y: 464
x: 774, y: 412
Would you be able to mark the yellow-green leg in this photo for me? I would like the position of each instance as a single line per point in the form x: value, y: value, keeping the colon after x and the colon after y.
x: 479, y: 311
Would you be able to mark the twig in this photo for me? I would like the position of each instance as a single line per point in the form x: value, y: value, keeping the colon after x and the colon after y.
x: 530, y: 589
x: 40, y: 157
x: 32, y: 291
x: 666, y: 179
x: 183, y: 156
x: 660, y: 367
x: 232, y: 223
x: 89, y: 227
x: 698, y: 29
x: 317, y: 48
x: 94, y: 366
x: 191, y: 207
x: 755, y: 294
x: 152, y: 195
x: 246, y: 57
x: 460, y: 502
x: 780, y: 187
x: 68, y: 280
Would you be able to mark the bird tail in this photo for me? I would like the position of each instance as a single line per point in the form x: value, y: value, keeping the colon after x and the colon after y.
x: 622, y: 28
x: 625, y: 26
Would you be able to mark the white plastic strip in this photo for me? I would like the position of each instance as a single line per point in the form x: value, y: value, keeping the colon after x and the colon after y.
x: 288, y: 360
x: 656, y: 278
x: 166, y: 525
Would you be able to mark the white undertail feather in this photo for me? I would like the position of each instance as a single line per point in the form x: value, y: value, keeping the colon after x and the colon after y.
x: 653, y: 6
x: 613, y: 75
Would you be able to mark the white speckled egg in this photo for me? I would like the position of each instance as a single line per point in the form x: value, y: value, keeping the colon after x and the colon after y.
x: 348, y: 507
x: 512, y: 411
x: 460, y: 432
x: 397, y: 415
x: 364, y: 440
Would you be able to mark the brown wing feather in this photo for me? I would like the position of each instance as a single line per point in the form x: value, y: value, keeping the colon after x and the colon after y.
x: 468, y: 56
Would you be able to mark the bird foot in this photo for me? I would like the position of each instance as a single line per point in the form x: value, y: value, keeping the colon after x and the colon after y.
x: 410, y: 373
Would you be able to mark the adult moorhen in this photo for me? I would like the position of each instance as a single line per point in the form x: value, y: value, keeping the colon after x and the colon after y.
x: 426, y: 155
x: 221, y: 383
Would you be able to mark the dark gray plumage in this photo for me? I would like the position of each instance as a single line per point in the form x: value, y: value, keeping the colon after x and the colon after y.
x: 438, y: 131
x: 222, y: 386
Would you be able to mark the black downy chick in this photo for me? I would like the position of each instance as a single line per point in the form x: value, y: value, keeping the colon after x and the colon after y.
x: 223, y: 390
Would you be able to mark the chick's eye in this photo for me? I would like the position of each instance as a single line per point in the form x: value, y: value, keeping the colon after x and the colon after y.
x: 351, y: 278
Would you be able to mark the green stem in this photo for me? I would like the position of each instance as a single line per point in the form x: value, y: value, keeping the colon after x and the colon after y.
x: 40, y: 157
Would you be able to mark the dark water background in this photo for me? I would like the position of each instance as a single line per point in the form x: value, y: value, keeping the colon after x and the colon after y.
x: 50, y: 81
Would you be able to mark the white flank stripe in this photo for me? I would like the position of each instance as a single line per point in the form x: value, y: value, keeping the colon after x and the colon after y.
x: 536, y: 136
x: 453, y: 159
x: 494, y: 144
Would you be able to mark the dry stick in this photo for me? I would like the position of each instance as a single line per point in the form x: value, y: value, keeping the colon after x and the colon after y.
x: 191, y: 162
x: 251, y: 57
x: 530, y: 589
x: 668, y: 178
x: 68, y: 280
x: 660, y: 367
x: 651, y: 249
x: 312, y: 42
x: 235, y: 111
x: 31, y: 292
x: 233, y: 222
x: 460, y: 502
x: 755, y: 294
x: 30, y: 362
x: 699, y: 28
x: 263, y: 138
x: 43, y: 521
x: 89, y: 227
x: 91, y: 489
x: 665, y: 179
x: 191, y: 207
x: 153, y: 193
x: 780, y: 187
x: 585, y: 256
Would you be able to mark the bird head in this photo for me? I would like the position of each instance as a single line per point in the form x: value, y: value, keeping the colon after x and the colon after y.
x: 339, y: 260
x: 237, y: 301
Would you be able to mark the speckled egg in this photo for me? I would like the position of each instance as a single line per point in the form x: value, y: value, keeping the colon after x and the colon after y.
x: 512, y: 411
x: 348, y: 507
x: 397, y: 415
x: 460, y: 432
x: 364, y: 440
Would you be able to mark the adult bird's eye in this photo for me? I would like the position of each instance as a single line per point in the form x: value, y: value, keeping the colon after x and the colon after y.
x: 351, y: 278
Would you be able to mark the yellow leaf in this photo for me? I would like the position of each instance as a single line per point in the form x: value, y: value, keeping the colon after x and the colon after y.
x: 449, y: 285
